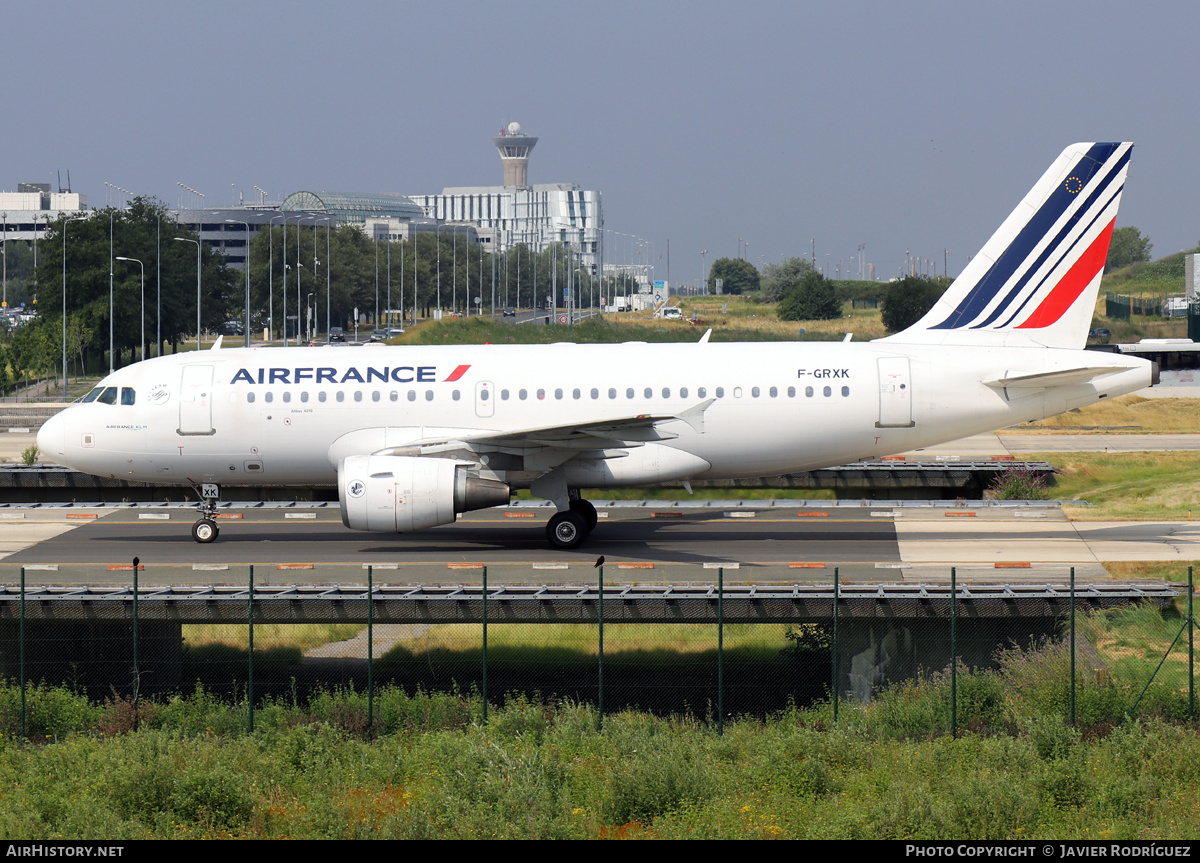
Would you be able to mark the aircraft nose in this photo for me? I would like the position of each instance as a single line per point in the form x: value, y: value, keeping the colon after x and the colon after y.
x: 52, y: 439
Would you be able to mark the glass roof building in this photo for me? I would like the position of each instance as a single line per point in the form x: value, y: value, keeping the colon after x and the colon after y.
x: 353, y: 209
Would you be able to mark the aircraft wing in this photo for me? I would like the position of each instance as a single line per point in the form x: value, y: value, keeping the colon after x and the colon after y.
x: 568, y: 439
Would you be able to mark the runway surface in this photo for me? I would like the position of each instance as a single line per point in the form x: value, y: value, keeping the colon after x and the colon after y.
x: 874, y: 544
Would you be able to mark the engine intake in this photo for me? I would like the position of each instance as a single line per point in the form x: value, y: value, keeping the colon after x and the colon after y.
x: 396, y: 494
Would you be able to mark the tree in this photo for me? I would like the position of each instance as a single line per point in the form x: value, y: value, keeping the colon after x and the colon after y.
x: 778, y: 279
x: 813, y: 299
x: 1127, y: 246
x: 134, y: 234
x: 737, y: 276
x: 908, y: 300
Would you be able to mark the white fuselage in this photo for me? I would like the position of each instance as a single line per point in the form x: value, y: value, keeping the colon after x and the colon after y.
x: 288, y: 416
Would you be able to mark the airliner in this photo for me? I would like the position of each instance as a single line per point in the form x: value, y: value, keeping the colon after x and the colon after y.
x: 413, y: 435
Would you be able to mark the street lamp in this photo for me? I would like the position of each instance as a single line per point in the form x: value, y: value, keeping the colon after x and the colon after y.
x: 271, y: 275
x: 439, y: 268
x: 299, y: 265
x: 308, y: 312
x: 143, y: 268
x: 197, y: 242
x: 328, y: 279
x: 64, y: 303
x: 247, y: 268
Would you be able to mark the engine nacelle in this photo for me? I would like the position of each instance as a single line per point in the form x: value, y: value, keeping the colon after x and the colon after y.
x: 396, y: 494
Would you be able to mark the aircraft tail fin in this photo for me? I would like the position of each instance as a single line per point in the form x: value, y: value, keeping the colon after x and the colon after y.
x: 1038, y: 276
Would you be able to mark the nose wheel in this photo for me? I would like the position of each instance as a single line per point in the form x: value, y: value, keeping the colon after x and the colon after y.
x: 205, y: 530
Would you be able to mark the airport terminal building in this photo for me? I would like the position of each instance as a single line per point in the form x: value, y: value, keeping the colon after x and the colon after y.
x: 496, y: 218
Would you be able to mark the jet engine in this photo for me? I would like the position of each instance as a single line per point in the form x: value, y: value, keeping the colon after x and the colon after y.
x: 396, y: 494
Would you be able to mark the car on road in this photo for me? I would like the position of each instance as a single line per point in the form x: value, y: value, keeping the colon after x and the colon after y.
x: 337, y: 334
x: 384, y: 333
x: 509, y: 312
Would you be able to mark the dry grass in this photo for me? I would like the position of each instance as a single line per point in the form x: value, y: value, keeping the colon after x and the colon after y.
x: 618, y: 638
x: 1134, y: 486
x: 741, y: 313
x: 1128, y: 414
x: 268, y: 636
x: 1151, y: 569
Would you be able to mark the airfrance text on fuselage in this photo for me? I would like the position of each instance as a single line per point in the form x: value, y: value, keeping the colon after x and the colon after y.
x: 330, y: 375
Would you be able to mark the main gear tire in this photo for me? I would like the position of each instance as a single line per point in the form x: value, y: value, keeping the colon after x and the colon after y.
x: 566, y: 530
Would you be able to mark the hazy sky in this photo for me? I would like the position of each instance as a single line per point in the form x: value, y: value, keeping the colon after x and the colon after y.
x: 906, y: 126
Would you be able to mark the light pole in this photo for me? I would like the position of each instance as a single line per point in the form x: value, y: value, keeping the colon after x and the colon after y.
x: 298, y: 266
x: 197, y: 243
x: 271, y: 276
x: 143, y: 270
x: 439, y: 269
x: 64, y: 303
x: 285, y: 271
x: 247, y: 268
x: 328, y: 279
x: 308, y: 311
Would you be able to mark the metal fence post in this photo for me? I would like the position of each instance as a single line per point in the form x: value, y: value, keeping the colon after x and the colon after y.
x: 1073, y: 679
x: 721, y: 650
x: 600, y: 668
x: 953, y: 652
x: 833, y: 671
x: 21, y: 649
x: 485, y: 622
x: 250, y: 652
x: 370, y: 646
x: 137, y: 669
x: 1191, y: 653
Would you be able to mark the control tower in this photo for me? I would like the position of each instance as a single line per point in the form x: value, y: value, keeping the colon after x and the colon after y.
x: 514, y: 150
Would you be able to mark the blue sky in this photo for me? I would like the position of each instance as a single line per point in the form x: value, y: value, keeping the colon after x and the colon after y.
x: 908, y: 127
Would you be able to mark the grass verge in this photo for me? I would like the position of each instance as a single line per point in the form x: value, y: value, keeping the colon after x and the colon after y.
x: 1128, y: 414
x: 1134, y: 486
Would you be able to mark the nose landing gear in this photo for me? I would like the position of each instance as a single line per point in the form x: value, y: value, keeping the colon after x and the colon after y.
x: 205, y: 530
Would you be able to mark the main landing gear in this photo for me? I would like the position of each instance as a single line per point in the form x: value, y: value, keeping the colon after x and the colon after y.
x: 569, y: 528
x: 205, y: 530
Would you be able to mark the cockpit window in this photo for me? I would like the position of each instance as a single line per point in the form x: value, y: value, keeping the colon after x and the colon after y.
x: 109, y: 396
x: 128, y: 395
x: 91, y: 396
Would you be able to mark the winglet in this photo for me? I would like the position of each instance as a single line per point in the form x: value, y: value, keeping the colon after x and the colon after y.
x: 704, y: 338
x: 216, y: 346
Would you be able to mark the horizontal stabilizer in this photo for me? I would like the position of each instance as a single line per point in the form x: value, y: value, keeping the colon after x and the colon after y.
x: 1065, y: 378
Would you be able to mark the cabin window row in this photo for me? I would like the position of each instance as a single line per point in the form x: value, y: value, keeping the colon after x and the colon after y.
x: 684, y: 392
x: 540, y: 394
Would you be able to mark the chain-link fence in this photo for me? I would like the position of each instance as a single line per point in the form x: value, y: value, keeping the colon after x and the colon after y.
x: 933, y: 657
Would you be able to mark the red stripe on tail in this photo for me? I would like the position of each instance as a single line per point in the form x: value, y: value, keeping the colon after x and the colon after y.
x: 1089, y: 265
